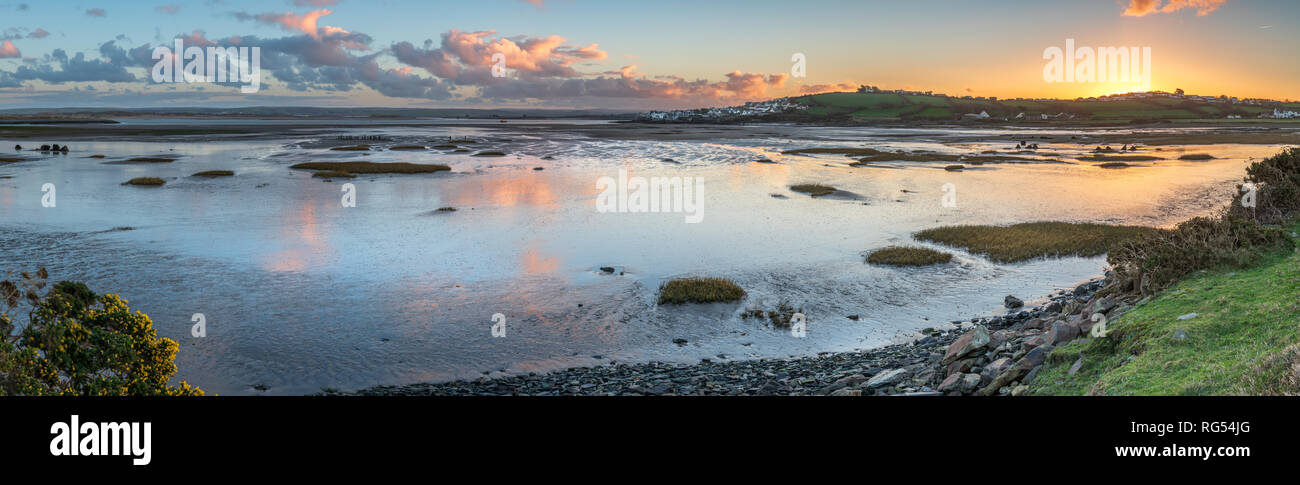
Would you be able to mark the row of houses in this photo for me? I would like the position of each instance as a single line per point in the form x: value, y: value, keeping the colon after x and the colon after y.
x: 750, y: 109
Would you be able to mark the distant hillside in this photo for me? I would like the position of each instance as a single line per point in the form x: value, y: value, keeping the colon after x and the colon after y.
x: 849, y: 107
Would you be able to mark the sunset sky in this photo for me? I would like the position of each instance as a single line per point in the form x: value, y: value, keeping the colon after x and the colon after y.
x: 630, y: 54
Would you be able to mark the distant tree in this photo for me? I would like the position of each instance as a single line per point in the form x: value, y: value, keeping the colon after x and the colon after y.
x: 1178, y: 91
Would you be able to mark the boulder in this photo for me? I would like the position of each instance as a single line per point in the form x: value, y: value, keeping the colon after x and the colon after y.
x: 997, y: 367
x: 960, y: 366
x: 886, y: 378
x: 1060, y: 332
x: 844, y: 382
x: 966, y: 344
x: 951, y: 383
x: 847, y: 392
x: 962, y: 383
x: 1012, y: 302
x: 1025, y: 365
x: 1103, y: 305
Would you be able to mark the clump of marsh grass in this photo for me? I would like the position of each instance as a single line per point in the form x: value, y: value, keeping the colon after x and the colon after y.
x: 813, y: 189
x: 371, y: 167
x: 352, y: 148
x: 145, y: 181
x: 848, y: 152
x: 151, y: 160
x: 1021, y: 242
x: 214, y: 173
x: 1113, y: 165
x: 954, y: 168
x: 907, y: 256
x: 331, y: 174
x: 699, y: 290
x: 1119, y: 158
x: 490, y: 154
x: 779, y: 318
x: 1196, y: 156
x: 407, y: 147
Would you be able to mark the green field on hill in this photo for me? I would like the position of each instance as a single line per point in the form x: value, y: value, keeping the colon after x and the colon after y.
x: 894, y: 106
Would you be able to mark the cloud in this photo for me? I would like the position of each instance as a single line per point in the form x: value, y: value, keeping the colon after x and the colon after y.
x: 8, y: 50
x: 293, y: 22
x: 315, y: 3
x: 535, y: 3
x: 74, y: 69
x: 466, y: 57
x: 96, y: 12
x: 168, y: 9
x: 315, y: 58
x: 39, y: 33
x: 1139, y: 8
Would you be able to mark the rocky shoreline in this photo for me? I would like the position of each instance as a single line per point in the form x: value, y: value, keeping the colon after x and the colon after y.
x: 997, y: 355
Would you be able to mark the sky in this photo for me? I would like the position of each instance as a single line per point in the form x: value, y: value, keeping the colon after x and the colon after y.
x: 632, y: 54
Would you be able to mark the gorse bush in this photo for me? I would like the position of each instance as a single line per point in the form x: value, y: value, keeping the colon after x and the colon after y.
x: 1277, y: 185
x: 1152, y: 262
x: 75, y: 342
x: 1237, y: 236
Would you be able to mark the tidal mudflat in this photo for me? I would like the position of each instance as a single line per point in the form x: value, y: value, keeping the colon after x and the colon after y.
x: 301, y: 293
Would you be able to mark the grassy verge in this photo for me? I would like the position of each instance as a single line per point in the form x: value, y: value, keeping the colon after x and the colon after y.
x: 1021, y: 242
x: 699, y: 290
x: 1245, y: 339
x: 904, y: 256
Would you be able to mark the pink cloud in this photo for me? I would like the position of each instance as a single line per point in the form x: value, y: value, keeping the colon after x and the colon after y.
x: 1138, y: 8
x: 305, y: 23
x: 7, y: 49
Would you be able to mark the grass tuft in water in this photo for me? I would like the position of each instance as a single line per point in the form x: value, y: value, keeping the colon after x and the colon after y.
x: 813, y: 189
x: 907, y: 256
x: 699, y: 290
x: 145, y: 181
x: 1031, y: 240
x: 371, y: 167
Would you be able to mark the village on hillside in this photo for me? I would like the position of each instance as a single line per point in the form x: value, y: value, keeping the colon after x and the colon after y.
x: 785, y: 107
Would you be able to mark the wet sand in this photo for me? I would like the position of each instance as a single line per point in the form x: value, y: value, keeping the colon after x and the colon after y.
x: 301, y: 293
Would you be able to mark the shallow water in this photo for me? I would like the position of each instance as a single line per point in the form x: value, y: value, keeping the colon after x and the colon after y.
x: 300, y: 293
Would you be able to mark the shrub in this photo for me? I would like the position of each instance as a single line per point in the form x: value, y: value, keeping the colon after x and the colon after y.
x: 1235, y: 237
x: 1277, y: 181
x: 1150, y: 263
x: 699, y: 290
x: 78, y: 343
